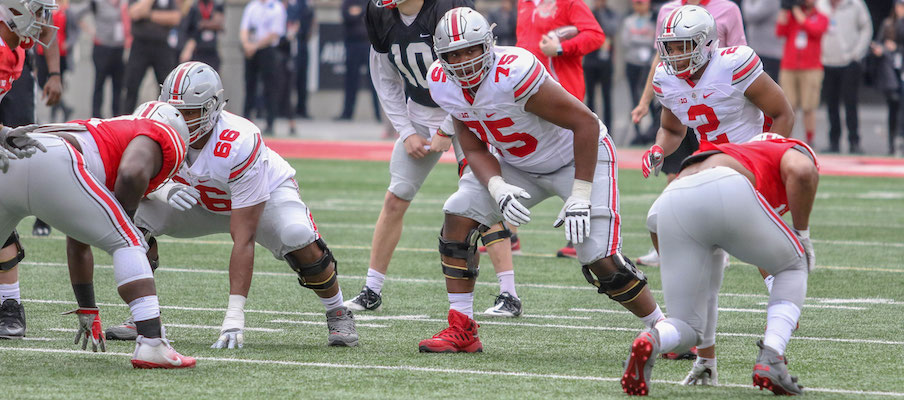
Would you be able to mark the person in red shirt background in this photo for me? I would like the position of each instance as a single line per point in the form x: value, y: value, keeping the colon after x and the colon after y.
x: 801, y: 75
x: 536, y: 18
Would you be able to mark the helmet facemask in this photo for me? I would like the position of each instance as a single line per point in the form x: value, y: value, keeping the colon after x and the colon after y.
x: 205, y: 121
x: 469, y: 74
x: 28, y: 19
x: 693, y: 52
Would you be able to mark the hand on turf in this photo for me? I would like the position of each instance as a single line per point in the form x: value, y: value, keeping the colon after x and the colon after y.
x: 506, y: 197
x: 652, y: 161
x: 575, y: 215
x: 89, y: 328
x: 230, y: 339
x: 182, y: 197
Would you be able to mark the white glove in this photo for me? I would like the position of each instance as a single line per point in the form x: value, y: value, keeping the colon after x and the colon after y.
x: 506, y: 197
x: 230, y: 339
x: 804, y: 238
x: 575, y: 214
x: 89, y: 328
x: 232, y: 334
x: 182, y: 197
x: 702, y: 374
x: 17, y: 141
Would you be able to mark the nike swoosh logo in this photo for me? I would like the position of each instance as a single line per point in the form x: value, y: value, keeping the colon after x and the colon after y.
x: 175, y: 360
x: 425, y: 35
x: 203, y: 180
x: 490, y: 115
x: 707, y: 95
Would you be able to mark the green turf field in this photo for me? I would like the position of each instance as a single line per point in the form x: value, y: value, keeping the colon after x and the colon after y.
x: 569, y: 344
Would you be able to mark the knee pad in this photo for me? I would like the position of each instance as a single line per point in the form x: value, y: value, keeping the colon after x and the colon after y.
x: 494, y: 237
x: 616, y: 280
x: 466, y: 250
x: 130, y: 264
x: 315, y: 268
x: 20, y: 252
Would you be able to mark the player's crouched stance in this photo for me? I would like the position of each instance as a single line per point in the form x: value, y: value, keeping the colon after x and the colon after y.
x: 730, y: 196
x: 69, y: 186
x: 549, y: 144
x: 246, y: 190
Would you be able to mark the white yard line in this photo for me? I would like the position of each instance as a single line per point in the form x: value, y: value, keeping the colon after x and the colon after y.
x: 323, y: 323
x: 879, y: 301
x: 187, y: 326
x: 443, y: 371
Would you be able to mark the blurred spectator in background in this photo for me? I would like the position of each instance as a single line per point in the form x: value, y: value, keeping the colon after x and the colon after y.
x: 60, y: 20
x: 759, y: 19
x: 888, y: 67
x: 110, y: 30
x: 844, y: 45
x: 300, y: 14
x: 152, y: 21
x: 357, y: 51
x: 561, y: 57
x: 204, y: 22
x: 505, y: 17
x: 263, y: 24
x: 801, y: 74
x: 637, y: 37
x: 598, y: 67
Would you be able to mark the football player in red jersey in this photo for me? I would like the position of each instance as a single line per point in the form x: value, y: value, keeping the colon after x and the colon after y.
x: 104, y: 167
x: 755, y: 183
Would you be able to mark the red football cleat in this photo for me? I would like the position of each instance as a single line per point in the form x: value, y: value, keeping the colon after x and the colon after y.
x: 567, y: 252
x: 690, y: 355
x: 639, y: 367
x: 459, y: 337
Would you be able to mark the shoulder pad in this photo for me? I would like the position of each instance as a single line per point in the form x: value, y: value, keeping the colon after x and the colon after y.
x: 518, y: 70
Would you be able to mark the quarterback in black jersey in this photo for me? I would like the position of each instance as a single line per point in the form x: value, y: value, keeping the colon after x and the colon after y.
x: 401, y: 38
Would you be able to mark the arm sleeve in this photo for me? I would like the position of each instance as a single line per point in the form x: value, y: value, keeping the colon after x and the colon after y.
x: 816, y: 27
x: 781, y: 30
x: 279, y: 20
x: 391, y: 91
x: 746, y: 68
x: 590, y: 35
x: 246, y: 18
x: 759, y: 11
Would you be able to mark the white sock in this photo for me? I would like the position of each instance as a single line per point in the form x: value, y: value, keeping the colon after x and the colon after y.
x: 332, y: 302
x: 653, y: 318
x: 781, y: 318
x: 668, y: 337
x: 145, y: 308
x: 709, y: 362
x: 507, y: 282
x: 463, y: 303
x: 768, y: 281
x: 375, y: 280
x: 9, y: 291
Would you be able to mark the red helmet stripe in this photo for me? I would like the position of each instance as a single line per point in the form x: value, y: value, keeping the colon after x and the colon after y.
x: 150, y: 108
x: 177, y: 83
x: 456, y: 31
x: 668, y: 25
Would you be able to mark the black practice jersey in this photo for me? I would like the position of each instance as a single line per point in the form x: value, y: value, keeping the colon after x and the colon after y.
x: 409, y: 47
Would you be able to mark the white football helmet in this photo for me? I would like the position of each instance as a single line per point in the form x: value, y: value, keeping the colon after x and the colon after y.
x: 27, y: 18
x: 195, y: 85
x: 388, y: 3
x: 461, y: 28
x: 696, y: 29
x: 165, y: 113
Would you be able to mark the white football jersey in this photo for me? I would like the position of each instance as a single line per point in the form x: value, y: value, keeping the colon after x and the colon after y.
x: 235, y: 169
x: 496, y: 113
x: 715, y: 106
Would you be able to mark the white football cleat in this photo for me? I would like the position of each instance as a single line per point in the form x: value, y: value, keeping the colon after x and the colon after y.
x: 157, y: 353
x: 650, y: 259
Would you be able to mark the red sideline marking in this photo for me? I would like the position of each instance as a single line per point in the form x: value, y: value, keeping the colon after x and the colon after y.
x: 627, y: 158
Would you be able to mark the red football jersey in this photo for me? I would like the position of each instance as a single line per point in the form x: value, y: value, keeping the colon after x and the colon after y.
x: 114, y: 135
x: 11, y: 62
x: 763, y: 159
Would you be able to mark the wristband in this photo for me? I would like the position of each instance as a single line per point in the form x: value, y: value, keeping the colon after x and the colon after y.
x: 803, y: 234
x: 54, y: 73
x: 443, y: 134
x: 581, y: 189
x: 559, y: 51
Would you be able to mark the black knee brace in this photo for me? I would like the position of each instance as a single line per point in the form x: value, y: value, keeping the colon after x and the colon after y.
x: 20, y: 252
x: 466, y: 250
x: 152, y: 241
x: 491, y: 238
x: 617, y: 280
x: 315, y: 268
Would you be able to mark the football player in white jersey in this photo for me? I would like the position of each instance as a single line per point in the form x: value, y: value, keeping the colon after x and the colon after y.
x: 722, y: 93
x: 232, y: 183
x: 401, y: 38
x: 548, y: 143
